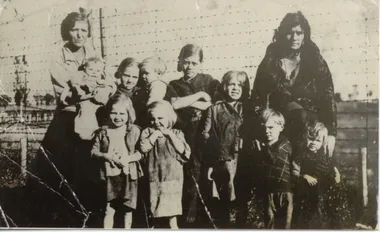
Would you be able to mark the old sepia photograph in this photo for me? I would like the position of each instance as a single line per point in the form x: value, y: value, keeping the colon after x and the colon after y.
x: 189, y: 114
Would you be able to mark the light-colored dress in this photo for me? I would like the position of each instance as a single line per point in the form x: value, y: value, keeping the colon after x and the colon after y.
x: 164, y: 167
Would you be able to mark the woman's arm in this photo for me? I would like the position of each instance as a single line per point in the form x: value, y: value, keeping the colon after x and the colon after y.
x: 183, y: 102
x: 201, y: 105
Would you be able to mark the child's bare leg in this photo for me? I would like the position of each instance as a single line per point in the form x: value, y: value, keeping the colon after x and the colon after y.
x: 173, y: 223
x: 108, y: 217
x: 128, y: 220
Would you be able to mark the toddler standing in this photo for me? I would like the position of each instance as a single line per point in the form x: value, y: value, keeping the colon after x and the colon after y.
x: 165, y: 150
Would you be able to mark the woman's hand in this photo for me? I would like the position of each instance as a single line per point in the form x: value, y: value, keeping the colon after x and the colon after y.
x: 209, y: 173
x: 337, y: 175
x: 101, y: 95
x: 310, y: 180
x: 330, y: 145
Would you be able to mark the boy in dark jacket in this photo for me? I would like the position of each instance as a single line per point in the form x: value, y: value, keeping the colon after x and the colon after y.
x: 273, y: 155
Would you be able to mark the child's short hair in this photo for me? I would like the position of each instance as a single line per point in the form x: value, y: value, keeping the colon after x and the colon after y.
x: 266, y: 114
x: 126, y: 101
x: 187, y: 51
x: 242, y: 78
x: 158, y: 64
x: 93, y: 59
x: 314, y: 129
x: 172, y: 116
x: 126, y: 63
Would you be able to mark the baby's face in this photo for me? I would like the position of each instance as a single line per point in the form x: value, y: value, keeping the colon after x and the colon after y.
x: 314, y: 144
x: 148, y: 73
x: 129, y: 77
x: 94, y: 69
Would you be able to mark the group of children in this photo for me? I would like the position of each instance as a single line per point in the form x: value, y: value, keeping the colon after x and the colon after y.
x: 153, y: 139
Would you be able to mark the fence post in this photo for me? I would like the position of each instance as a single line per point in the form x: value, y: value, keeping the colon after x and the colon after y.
x: 364, y: 182
x: 24, y: 151
x: 102, y: 34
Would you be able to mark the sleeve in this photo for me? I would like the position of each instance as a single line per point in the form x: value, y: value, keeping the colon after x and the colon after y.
x: 95, y: 151
x: 325, y: 90
x: 206, y: 127
x: 213, y: 90
x: 145, y: 143
x: 59, y: 77
x: 157, y: 91
x: 185, y: 156
x: 133, y: 138
x: 259, y: 93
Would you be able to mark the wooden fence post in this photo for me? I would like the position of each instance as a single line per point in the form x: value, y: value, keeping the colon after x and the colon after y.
x: 24, y: 151
x: 364, y: 182
x: 102, y: 34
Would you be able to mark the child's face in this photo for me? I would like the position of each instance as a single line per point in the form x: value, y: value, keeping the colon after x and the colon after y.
x: 272, y: 130
x: 314, y: 144
x: 130, y: 77
x: 159, y: 119
x: 119, y: 115
x: 94, y: 69
x: 148, y: 73
x: 234, y: 89
x: 191, y: 66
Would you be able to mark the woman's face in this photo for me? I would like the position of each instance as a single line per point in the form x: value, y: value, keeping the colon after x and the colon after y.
x: 129, y: 77
x: 295, y: 37
x: 191, y: 66
x: 79, y: 33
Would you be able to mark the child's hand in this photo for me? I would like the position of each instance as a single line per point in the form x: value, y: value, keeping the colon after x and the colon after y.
x: 209, y: 173
x: 124, y: 160
x: 205, y: 135
x: 337, y: 175
x: 204, y: 96
x: 310, y: 180
x: 165, y: 131
x: 257, y: 145
x: 158, y: 134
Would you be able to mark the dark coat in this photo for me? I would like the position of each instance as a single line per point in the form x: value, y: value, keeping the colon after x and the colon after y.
x: 313, y: 88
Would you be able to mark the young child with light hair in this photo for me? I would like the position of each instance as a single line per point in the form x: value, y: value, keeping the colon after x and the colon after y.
x: 92, y: 87
x: 165, y: 151
x: 273, y: 153
x: 115, y: 145
x: 318, y: 174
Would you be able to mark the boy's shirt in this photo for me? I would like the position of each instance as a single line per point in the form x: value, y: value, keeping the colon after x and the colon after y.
x: 277, y: 165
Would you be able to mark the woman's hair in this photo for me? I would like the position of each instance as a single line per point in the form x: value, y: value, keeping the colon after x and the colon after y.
x: 126, y: 63
x: 126, y: 101
x: 314, y: 129
x: 266, y: 114
x: 166, y: 107
x: 187, y: 51
x: 69, y: 22
x: 243, y: 80
x: 158, y: 64
x: 292, y: 20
